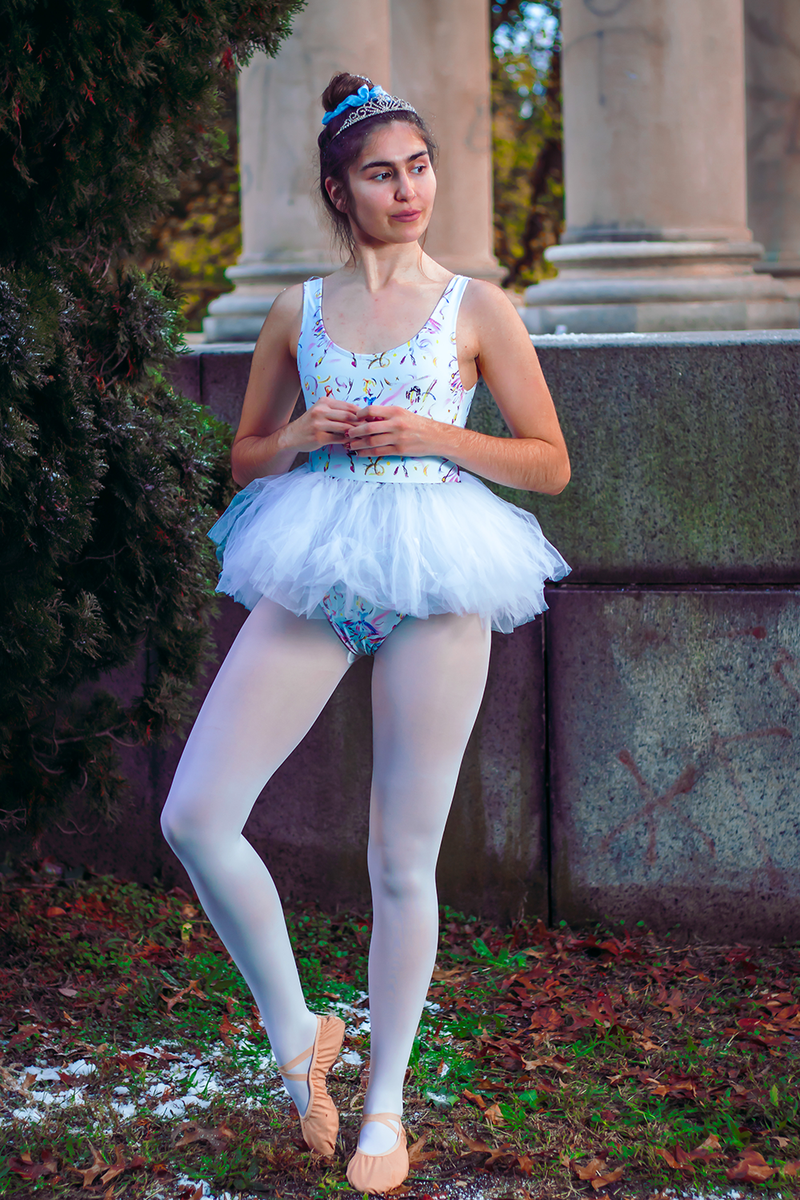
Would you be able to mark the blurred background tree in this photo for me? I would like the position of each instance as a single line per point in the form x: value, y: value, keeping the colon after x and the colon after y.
x: 199, y: 234
x: 526, y: 134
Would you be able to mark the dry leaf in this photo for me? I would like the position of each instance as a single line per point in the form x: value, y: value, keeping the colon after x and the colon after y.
x: 525, y: 1163
x: 23, y: 1033
x: 55, y: 911
x: 28, y: 1169
x: 418, y: 1154
x: 610, y: 1177
x: 679, y: 1161
x: 791, y: 1168
x: 594, y: 1167
x: 475, y: 1146
x: 751, y: 1167
x: 474, y: 1099
x: 99, y: 1165
x: 118, y: 1167
x: 493, y: 1115
x: 706, y: 1150
x: 190, y: 1132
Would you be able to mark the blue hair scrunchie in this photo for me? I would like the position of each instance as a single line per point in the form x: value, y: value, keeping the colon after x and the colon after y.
x: 354, y: 100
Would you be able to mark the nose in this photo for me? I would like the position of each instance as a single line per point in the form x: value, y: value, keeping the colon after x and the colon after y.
x: 405, y: 186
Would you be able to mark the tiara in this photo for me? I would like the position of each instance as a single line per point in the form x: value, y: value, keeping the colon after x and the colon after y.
x: 366, y: 102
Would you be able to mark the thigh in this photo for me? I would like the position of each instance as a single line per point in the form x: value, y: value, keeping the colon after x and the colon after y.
x: 427, y: 685
x: 272, y: 686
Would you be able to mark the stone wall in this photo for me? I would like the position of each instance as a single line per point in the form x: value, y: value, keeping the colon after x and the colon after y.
x: 637, y: 754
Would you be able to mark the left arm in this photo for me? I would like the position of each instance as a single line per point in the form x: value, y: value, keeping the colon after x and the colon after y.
x: 535, y: 457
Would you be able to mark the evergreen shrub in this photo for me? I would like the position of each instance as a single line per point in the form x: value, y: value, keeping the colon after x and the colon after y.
x: 109, y: 478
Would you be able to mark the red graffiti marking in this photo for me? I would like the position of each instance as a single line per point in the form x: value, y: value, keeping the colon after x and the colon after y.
x: 658, y: 805
x: 653, y: 804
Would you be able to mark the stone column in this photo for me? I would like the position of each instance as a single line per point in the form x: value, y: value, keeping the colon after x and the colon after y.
x: 656, y: 200
x: 285, y: 238
x: 772, y: 56
x: 440, y: 63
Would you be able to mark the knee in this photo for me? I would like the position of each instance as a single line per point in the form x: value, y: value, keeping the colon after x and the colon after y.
x: 182, y: 827
x: 400, y: 873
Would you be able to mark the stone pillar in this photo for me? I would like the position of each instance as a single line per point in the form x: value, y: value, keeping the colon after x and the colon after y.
x: 656, y: 201
x: 440, y: 63
x: 772, y: 57
x: 285, y: 238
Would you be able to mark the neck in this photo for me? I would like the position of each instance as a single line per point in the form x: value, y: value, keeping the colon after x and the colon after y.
x: 379, y: 265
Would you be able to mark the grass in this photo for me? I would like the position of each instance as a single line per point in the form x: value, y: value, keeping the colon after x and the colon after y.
x: 548, y: 1064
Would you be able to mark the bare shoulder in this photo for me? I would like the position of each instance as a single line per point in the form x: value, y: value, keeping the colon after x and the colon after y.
x: 487, y: 312
x: 485, y: 299
x: 281, y: 329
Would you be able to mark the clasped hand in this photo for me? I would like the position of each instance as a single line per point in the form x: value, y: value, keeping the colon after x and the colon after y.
x: 367, y: 431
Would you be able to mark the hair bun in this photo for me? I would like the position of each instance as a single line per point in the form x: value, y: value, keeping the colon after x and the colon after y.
x: 342, y: 86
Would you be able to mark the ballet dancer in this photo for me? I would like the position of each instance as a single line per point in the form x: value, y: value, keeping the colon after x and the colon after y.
x: 384, y: 543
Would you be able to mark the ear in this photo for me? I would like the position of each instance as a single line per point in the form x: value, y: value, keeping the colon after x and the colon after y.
x: 337, y: 193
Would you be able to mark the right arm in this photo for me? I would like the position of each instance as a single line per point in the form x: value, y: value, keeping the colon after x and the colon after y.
x: 267, y: 441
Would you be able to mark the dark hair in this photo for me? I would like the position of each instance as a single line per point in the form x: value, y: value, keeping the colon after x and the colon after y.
x: 337, y: 154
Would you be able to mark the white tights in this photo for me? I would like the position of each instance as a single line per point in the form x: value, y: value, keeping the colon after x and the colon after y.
x: 427, y: 683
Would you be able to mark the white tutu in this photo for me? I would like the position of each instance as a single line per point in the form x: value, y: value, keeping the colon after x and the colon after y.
x: 417, y: 548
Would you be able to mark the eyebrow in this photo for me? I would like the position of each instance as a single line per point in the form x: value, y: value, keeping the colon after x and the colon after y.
x: 370, y: 165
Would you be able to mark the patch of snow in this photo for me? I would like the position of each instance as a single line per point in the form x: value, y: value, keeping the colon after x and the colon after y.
x: 170, y: 1108
x: 122, y: 1091
x: 50, y: 1074
x: 126, y: 1111
x: 352, y: 1057
x: 158, y: 1089
x: 31, y: 1115
x: 81, y: 1067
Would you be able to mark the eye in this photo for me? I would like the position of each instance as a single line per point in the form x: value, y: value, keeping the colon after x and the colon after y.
x: 382, y: 175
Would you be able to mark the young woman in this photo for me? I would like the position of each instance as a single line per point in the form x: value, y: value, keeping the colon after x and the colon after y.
x: 381, y: 544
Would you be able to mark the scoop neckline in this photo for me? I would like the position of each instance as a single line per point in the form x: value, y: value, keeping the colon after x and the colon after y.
x: 380, y: 353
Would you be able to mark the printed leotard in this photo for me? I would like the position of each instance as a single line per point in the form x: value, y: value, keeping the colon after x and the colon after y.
x: 364, y: 542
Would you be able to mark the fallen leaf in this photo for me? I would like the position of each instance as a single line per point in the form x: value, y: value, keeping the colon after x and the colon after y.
x: 791, y: 1168
x: 28, y: 1169
x: 190, y: 1132
x: 706, y: 1150
x: 118, y: 1167
x: 493, y: 1115
x: 525, y: 1163
x: 23, y: 1033
x: 55, y: 911
x: 67, y: 991
x: 475, y: 1146
x: 98, y: 1166
x: 610, y: 1177
x: 474, y: 1099
x: 679, y: 1161
x: 752, y: 1167
x: 418, y: 1154
x: 590, y: 1170
x: 192, y: 988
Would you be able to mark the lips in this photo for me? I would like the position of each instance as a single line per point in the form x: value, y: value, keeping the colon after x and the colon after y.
x: 407, y: 216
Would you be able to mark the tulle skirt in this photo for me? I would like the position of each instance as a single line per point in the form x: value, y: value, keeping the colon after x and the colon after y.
x: 417, y: 548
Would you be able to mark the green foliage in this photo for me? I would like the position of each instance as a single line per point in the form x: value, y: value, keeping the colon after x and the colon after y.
x: 526, y: 136
x: 108, y: 477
